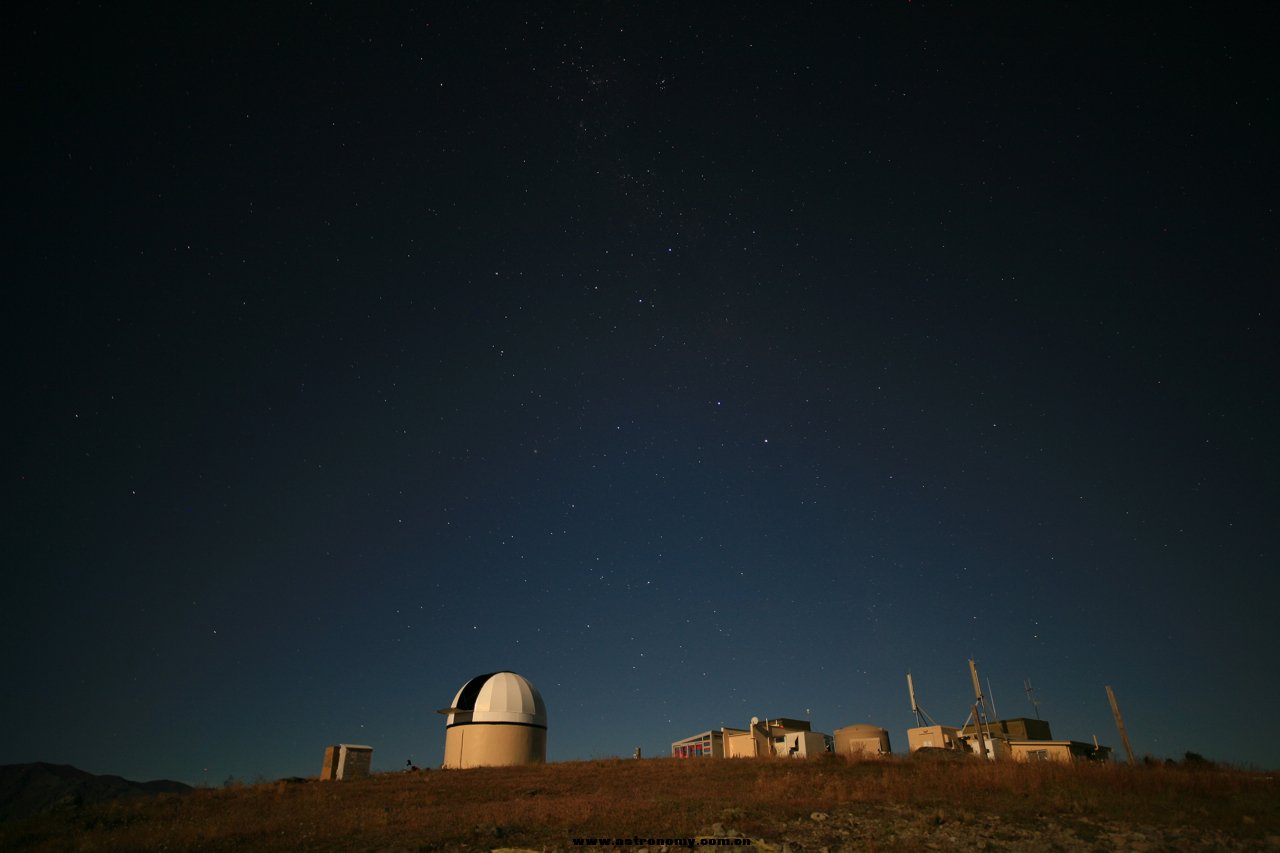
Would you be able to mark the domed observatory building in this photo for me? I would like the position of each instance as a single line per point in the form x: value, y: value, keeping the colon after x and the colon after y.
x: 497, y: 719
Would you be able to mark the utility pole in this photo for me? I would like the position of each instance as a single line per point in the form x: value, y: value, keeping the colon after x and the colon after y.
x: 1115, y: 712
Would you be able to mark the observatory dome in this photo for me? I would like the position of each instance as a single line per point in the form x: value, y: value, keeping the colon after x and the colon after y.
x: 499, y: 697
x: 496, y: 720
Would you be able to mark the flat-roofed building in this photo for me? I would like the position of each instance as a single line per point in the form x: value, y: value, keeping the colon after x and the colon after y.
x: 999, y: 735
x: 1058, y: 750
x: 1015, y: 728
x: 782, y: 736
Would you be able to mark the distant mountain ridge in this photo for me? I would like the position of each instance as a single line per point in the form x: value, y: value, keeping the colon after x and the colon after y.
x: 29, y: 789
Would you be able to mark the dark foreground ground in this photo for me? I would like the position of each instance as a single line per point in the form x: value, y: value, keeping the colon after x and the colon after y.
x: 767, y: 805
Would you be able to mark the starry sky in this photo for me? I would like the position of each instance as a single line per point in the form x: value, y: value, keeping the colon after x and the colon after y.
x: 694, y: 361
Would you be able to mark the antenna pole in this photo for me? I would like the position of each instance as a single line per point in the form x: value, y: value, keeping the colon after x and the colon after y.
x: 1115, y: 712
x: 922, y: 716
x: 980, y: 705
x: 1031, y: 695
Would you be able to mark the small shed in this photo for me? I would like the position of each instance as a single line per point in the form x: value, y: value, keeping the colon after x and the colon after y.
x: 346, y: 761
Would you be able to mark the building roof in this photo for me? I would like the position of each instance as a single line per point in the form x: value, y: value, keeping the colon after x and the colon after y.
x: 862, y: 730
x: 787, y: 724
x: 1017, y: 728
x: 498, y: 697
x: 713, y: 734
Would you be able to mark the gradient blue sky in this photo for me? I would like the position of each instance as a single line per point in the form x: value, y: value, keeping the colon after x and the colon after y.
x: 694, y: 363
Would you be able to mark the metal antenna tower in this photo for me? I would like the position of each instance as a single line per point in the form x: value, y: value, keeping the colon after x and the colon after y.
x: 1031, y: 695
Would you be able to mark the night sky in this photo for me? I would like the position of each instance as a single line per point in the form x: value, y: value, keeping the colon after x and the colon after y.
x: 694, y: 362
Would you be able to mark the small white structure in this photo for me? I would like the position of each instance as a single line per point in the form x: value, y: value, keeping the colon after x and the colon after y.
x: 346, y: 761
x: 801, y: 744
x: 497, y: 719
x: 934, y: 737
x: 993, y: 747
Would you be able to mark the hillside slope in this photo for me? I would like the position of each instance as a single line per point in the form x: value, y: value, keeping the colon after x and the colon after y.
x: 795, y: 805
x: 29, y: 789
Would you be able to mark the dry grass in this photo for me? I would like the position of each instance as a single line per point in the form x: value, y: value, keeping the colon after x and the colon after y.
x: 547, y: 806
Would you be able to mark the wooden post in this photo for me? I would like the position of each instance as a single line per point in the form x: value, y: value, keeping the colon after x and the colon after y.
x: 1124, y: 736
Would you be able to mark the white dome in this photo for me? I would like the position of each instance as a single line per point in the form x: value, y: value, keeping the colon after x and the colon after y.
x: 498, y: 697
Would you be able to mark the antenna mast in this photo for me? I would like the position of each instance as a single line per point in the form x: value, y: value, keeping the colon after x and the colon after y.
x: 1031, y: 695
x: 922, y: 718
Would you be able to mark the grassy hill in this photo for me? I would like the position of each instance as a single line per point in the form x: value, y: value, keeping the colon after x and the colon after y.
x: 766, y: 805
